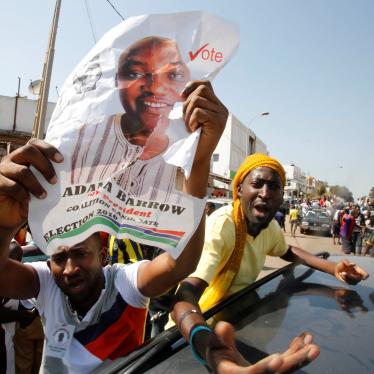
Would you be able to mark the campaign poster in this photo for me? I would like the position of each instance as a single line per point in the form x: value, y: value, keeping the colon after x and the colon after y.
x: 118, y: 123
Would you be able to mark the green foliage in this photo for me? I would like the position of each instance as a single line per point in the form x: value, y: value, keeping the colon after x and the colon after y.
x: 321, y: 188
x: 342, y: 192
x: 371, y: 193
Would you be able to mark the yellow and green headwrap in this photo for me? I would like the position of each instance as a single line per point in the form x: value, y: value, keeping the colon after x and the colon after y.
x: 222, y: 282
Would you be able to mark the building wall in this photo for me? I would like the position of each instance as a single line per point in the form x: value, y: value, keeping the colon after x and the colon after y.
x: 221, y: 156
x: 26, y: 109
x: 234, y: 146
x: 261, y: 147
x: 292, y: 172
x: 15, y: 131
x: 296, y: 186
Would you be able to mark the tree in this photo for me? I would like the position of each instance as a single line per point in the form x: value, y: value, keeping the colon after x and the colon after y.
x: 342, y: 192
x: 321, y: 188
x: 371, y: 193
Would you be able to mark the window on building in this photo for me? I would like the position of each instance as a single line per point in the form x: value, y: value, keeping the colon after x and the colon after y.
x: 215, y: 157
x: 251, y: 145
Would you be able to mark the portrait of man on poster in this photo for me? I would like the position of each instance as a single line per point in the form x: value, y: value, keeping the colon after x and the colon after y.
x: 150, y: 77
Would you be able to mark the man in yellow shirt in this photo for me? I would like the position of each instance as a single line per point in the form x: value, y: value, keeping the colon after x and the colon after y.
x: 294, y: 219
x: 237, y: 240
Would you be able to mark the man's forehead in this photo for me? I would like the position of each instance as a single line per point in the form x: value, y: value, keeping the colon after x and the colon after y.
x: 66, y: 248
x: 144, y: 50
x: 87, y: 243
x: 263, y: 172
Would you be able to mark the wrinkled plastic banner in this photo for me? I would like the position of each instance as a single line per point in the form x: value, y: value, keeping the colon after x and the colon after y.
x: 118, y: 123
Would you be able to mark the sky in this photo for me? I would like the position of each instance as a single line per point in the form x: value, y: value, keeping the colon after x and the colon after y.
x: 309, y: 63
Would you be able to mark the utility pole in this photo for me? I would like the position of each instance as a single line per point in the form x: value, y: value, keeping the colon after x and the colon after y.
x: 41, y: 108
x: 16, y: 105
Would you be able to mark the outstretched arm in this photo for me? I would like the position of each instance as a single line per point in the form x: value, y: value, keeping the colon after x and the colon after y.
x: 17, y: 182
x: 217, y: 348
x: 344, y: 270
x: 201, y: 109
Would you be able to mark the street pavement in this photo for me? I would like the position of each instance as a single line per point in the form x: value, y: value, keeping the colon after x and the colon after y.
x: 311, y: 243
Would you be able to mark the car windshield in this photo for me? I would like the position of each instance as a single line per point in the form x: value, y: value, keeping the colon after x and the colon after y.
x: 311, y: 214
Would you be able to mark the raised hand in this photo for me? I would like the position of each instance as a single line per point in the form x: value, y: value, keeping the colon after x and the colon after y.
x: 349, y: 272
x: 203, y: 109
x: 17, y: 180
x: 225, y: 358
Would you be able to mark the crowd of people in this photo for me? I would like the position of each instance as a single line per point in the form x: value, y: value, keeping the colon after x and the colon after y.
x: 352, y: 224
x: 93, y: 297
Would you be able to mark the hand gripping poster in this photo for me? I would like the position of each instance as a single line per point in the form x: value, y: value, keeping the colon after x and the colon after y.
x: 118, y: 123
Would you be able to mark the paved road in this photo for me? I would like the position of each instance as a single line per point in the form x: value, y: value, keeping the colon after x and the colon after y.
x: 312, y: 243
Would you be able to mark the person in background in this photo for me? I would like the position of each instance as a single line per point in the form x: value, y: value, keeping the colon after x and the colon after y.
x: 328, y: 204
x: 346, y: 229
x: 280, y: 218
x: 336, y: 223
x: 368, y: 238
x: 304, y: 207
x: 294, y: 219
x: 210, y: 207
x: 10, y: 314
x: 28, y: 342
x: 358, y: 229
x: 315, y: 204
x: 29, y: 335
x: 368, y: 244
x: 124, y: 251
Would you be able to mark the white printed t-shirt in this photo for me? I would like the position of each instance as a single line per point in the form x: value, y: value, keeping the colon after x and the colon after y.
x: 113, y: 327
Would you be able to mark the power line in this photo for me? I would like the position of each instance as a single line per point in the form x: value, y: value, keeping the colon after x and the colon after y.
x: 115, y: 9
x: 90, y: 20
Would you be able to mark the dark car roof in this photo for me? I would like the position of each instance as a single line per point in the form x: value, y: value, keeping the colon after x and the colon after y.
x: 269, y: 313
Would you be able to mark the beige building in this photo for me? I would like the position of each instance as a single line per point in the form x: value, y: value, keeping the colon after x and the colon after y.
x: 296, y: 185
x: 17, y: 120
x: 237, y: 142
